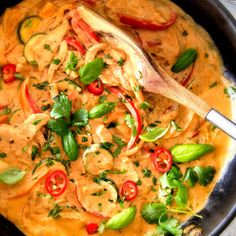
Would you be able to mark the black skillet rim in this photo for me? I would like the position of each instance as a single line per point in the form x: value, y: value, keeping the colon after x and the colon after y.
x: 228, y: 25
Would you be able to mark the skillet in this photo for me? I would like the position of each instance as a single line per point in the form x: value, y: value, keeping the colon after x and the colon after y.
x: 221, y: 206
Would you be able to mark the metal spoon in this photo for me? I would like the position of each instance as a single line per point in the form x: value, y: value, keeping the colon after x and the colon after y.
x: 154, y: 78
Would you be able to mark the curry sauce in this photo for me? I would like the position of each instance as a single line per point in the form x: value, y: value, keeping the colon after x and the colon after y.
x: 83, y: 147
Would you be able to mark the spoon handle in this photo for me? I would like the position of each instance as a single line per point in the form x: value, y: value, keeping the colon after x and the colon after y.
x: 222, y: 122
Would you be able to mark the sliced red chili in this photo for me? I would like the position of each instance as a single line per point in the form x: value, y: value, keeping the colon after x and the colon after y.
x: 146, y: 24
x: 96, y: 87
x: 56, y: 183
x: 129, y: 190
x: 8, y: 73
x: 75, y: 44
x: 92, y: 228
x: 32, y: 103
x: 162, y: 159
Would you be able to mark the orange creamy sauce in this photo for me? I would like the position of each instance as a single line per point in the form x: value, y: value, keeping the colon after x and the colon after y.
x: 24, y: 203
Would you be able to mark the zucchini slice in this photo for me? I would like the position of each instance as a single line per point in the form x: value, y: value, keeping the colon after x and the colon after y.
x: 97, y: 159
x: 27, y: 27
x: 30, y: 44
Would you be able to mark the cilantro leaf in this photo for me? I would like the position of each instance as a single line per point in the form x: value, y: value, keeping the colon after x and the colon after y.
x: 181, y: 196
x: 55, y: 212
x: 80, y: 118
x: 61, y: 107
x: 205, y: 174
x: 70, y: 146
x: 129, y: 120
x: 72, y: 63
x: 91, y: 71
x: 151, y: 212
x: 170, y: 225
x: 191, y: 177
x: 58, y: 126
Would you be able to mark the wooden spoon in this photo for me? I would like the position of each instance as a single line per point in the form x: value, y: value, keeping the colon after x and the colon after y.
x: 154, y: 78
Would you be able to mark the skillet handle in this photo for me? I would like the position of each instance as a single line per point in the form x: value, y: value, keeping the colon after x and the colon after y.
x: 222, y: 122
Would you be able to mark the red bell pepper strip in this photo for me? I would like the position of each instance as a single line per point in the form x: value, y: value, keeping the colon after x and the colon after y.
x: 31, y: 101
x: 146, y: 24
x: 75, y: 44
x: 8, y: 73
x: 88, y: 30
x: 162, y: 159
x: 3, y: 119
x: 134, y: 112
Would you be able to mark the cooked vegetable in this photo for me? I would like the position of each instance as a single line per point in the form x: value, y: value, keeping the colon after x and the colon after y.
x: 8, y: 73
x: 134, y: 112
x: 3, y: 155
x: 170, y: 225
x: 61, y: 107
x: 56, y: 183
x: 122, y: 219
x: 72, y: 62
x: 59, y: 126
x: 92, y: 228
x: 27, y: 27
x: 91, y: 71
x: 30, y: 44
x: 185, y: 59
x: 129, y: 190
x: 151, y: 212
x: 68, y: 85
x: 96, y: 87
x: 153, y: 134
x: 75, y: 44
x: 70, y: 146
x: 12, y: 176
x: 203, y: 175
x: 162, y: 159
x: 188, y: 152
x: 91, y: 35
x: 28, y: 103
x: 101, y: 110
x: 146, y: 24
x: 97, y: 159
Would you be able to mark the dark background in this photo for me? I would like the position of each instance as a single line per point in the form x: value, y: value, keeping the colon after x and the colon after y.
x: 221, y: 208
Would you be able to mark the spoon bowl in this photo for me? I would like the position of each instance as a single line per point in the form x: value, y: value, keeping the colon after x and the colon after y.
x: 153, y: 77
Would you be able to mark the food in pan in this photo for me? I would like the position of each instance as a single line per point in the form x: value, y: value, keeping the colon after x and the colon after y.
x: 83, y: 148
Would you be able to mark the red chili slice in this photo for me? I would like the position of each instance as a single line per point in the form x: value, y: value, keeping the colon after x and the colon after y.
x: 162, y: 159
x: 96, y: 87
x: 56, y: 183
x: 8, y: 73
x: 129, y: 190
x: 75, y: 44
x: 146, y: 24
x: 92, y: 228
